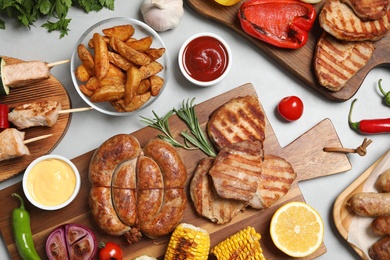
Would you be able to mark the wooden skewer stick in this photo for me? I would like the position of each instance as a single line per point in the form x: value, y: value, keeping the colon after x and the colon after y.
x: 361, y: 150
x: 36, y: 138
x: 73, y: 110
x: 51, y: 65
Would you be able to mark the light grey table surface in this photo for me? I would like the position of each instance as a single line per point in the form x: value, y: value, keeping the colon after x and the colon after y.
x: 89, y: 129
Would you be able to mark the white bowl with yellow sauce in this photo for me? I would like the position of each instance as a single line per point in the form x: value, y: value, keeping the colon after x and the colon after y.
x: 51, y: 182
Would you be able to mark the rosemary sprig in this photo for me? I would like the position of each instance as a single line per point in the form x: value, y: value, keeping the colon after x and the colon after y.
x: 161, y: 124
x: 188, y: 115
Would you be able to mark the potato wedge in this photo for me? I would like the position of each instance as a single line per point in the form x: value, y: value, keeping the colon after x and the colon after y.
x: 115, y: 72
x: 132, y: 82
x: 154, y: 53
x: 144, y: 86
x: 151, y: 69
x: 102, y: 63
x: 111, y: 81
x: 142, y: 44
x: 119, y: 61
x: 108, y: 93
x: 86, y: 59
x: 137, y: 102
x: 122, y: 32
x: 85, y: 90
x: 129, y: 53
x: 82, y: 73
x: 92, y: 84
x: 156, y: 83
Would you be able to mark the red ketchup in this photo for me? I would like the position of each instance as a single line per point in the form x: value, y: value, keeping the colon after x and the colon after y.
x: 205, y: 58
x: 4, y: 117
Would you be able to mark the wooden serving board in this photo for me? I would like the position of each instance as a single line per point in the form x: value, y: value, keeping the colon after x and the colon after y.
x: 305, y: 154
x: 49, y: 89
x: 342, y: 215
x: 297, y: 62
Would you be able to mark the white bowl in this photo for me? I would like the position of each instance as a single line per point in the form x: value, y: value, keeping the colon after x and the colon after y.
x: 184, y: 54
x: 141, y: 30
x: 56, y: 181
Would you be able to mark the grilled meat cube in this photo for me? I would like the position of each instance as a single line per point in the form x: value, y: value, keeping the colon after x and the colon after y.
x: 11, y: 144
x: 41, y: 113
x: 339, y: 20
x: 240, y: 119
x: 336, y: 61
x: 205, y: 198
x: 25, y: 73
x: 369, y: 9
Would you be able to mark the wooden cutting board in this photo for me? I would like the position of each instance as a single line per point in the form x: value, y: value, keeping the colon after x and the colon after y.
x: 305, y: 154
x: 49, y: 89
x: 297, y: 62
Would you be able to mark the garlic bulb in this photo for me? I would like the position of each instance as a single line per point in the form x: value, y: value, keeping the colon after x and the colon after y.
x: 162, y: 15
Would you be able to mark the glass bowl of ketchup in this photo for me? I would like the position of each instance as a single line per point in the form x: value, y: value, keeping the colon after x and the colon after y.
x: 205, y: 59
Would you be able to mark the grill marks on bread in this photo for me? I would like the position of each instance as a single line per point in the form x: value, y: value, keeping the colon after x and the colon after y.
x: 336, y: 61
x: 240, y: 119
x: 339, y: 20
x: 369, y: 9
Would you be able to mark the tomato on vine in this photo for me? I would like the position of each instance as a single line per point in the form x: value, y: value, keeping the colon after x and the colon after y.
x: 110, y: 251
x: 291, y: 108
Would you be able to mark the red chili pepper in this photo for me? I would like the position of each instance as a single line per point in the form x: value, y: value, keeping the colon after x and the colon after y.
x: 282, y: 23
x: 369, y: 126
x: 4, y: 123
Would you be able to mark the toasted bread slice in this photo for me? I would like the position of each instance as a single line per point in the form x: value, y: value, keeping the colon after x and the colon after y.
x: 242, y: 118
x: 339, y: 20
x: 336, y: 61
x: 369, y: 9
x: 205, y: 198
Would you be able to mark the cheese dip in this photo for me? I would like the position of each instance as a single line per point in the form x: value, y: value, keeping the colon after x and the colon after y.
x: 51, y: 182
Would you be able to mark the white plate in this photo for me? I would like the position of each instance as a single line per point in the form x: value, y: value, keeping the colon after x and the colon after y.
x: 141, y: 30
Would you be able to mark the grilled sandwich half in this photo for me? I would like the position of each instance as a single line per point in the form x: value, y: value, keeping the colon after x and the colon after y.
x: 369, y: 9
x: 339, y: 20
x: 336, y: 61
x: 242, y: 118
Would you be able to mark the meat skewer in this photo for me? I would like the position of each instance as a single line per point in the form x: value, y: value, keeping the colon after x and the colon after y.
x: 12, y: 143
x: 27, y: 72
x: 40, y: 113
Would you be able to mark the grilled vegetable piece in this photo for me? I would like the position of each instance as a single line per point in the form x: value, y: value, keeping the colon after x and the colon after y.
x: 188, y: 242
x: 243, y: 244
x: 4, y: 89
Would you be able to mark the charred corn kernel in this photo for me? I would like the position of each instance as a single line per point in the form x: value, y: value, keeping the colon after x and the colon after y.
x: 188, y: 242
x: 245, y: 244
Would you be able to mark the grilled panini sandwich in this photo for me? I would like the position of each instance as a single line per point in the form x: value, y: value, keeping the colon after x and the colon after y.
x: 339, y: 20
x: 369, y: 9
x: 240, y: 119
x: 336, y: 61
x: 206, y: 200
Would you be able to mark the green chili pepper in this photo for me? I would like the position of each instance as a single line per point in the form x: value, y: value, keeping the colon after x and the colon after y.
x: 22, y: 232
x: 386, y: 95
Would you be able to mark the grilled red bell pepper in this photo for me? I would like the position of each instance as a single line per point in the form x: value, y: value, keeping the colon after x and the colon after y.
x: 369, y: 126
x: 282, y: 23
x: 4, y: 117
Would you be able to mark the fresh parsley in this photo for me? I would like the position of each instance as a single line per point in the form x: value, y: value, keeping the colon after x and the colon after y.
x: 27, y: 12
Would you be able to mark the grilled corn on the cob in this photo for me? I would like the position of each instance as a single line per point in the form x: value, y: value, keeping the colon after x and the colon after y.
x: 188, y: 242
x: 245, y: 244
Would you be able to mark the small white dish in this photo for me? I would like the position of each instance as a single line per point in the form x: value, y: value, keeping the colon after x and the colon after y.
x: 205, y: 59
x: 44, y: 185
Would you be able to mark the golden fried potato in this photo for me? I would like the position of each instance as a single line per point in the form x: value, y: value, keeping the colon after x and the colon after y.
x: 82, y: 74
x: 137, y: 102
x: 122, y: 32
x: 85, y: 90
x: 119, y: 61
x: 86, y: 59
x: 102, y: 63
x: 132, y: 82
x: 111, y: 81
x: 140, y: 45
x: 105, y: 38
x: 144, y: 86
x: 151, y: 69
x: 154, y: 53
x: 156, y: 83
x: 108, y: 93
x: 92, y: 84
x: 129, y: 53
x: 115, y: 72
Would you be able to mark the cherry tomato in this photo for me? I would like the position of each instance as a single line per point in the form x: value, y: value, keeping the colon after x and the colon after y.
x: 290, y: 108
x: 110, y: 251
